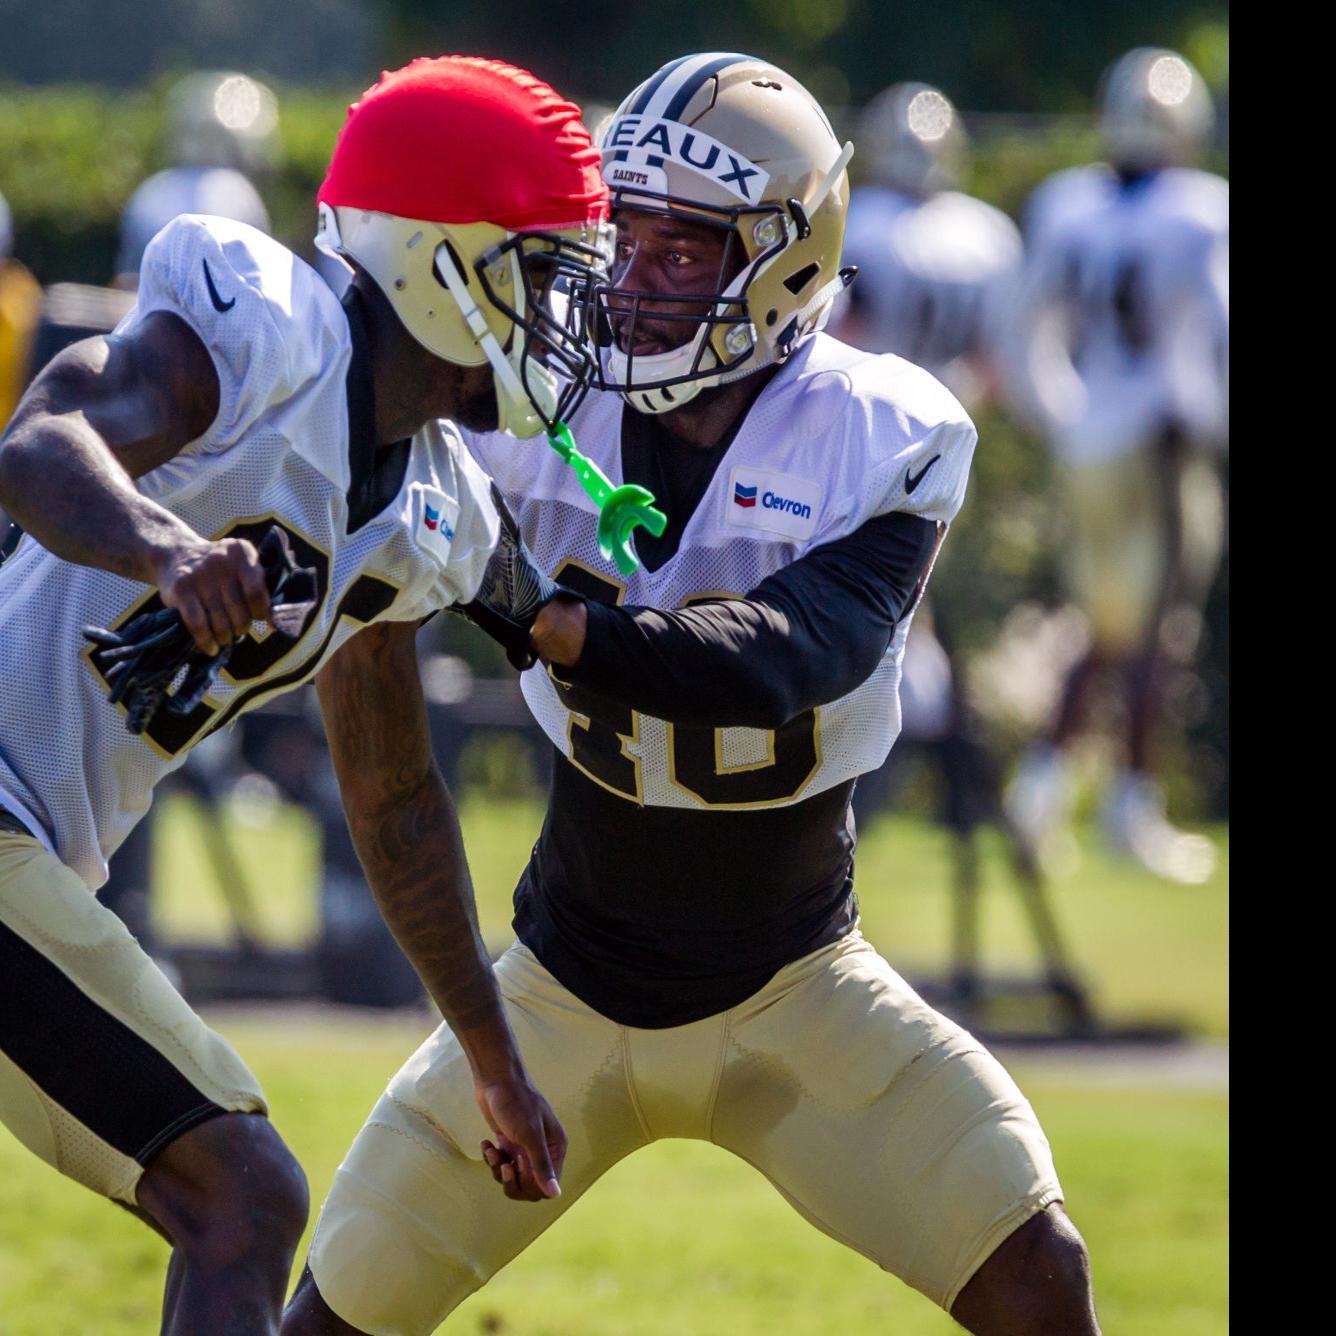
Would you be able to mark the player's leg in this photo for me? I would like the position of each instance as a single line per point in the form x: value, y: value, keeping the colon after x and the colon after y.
x: 110, y: 1077
x: 1112, y: 565
x: 414, y: 1222
x: 1178, y: 542
x: 233, y: 1202
x: 894, y: 1131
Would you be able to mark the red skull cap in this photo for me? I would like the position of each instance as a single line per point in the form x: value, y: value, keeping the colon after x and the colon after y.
x: 460, y: 139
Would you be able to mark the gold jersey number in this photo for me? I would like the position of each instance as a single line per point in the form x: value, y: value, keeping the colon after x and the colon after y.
x: 601, y: 735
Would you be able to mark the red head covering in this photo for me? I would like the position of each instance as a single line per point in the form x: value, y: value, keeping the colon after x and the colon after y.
x: 459, y: 139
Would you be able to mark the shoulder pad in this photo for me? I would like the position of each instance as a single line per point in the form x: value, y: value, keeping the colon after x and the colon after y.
x: 269, y: 321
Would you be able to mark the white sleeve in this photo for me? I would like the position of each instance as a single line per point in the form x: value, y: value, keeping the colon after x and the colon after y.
x: 247, y: 298
x: 932, y: 474
x: 908, y: 445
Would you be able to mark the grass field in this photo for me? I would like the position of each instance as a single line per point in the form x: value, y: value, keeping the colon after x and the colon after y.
x: 682, y: 1239
x: 1149, y: 950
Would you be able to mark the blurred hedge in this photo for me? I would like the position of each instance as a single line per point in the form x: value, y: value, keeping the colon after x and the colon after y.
x: 70, y: 156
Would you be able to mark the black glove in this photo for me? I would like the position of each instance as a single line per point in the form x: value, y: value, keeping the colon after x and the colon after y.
x: 142, y: 660
x: 512, y: 593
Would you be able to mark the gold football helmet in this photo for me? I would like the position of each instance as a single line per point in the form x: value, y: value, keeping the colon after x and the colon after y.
x: 735, y: 142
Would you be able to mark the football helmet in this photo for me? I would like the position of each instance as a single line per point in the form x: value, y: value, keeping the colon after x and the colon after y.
x: 1154, y: 110
x: 913, y: 139
x: 220, y: 119
x: 469, y: 192
x: 732, y: 141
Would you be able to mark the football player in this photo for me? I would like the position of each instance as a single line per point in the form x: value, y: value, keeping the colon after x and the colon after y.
x: 241, y: 405
x: 1121, y: 350
x: 221, y: 129
x: 20, y: 304
x: 935, y: 266
x: 936, y: 270
x: 689, y: 962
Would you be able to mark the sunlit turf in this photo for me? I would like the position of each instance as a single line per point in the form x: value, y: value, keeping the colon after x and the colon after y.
x: 1148, y: 949
x: 680, y: 1239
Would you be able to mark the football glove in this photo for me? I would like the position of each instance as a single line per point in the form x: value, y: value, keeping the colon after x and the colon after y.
x: 512, y: 593
x: 153, y: 651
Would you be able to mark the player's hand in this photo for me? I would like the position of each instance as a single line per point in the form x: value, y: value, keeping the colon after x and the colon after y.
x: 218, y: 589
x: 530, y: 1146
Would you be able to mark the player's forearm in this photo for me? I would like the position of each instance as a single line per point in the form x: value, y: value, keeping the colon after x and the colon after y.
x: 720, y: 664
x: 63, y: 485
x: 413, y: 856
x: 807, y: 635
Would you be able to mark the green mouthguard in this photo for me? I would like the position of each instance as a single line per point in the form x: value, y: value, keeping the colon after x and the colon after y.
x: 620, y: 509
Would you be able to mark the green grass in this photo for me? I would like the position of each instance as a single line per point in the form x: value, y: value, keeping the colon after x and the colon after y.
x: 1148, y: 949
x: 680, y: 1239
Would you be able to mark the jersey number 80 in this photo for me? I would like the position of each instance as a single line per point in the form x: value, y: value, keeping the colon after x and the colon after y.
x: 600, y: 731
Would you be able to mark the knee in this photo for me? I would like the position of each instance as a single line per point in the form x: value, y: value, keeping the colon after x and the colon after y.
x: 1055, y: 1260
x: 228, y: 1188
x: 1036, y: 1281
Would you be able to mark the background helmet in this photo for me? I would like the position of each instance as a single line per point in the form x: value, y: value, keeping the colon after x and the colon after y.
x: 219, y: 119
x: 734, y: 141
x: 911, y: 139
x: 468, y: 190
x: 1155, y: 110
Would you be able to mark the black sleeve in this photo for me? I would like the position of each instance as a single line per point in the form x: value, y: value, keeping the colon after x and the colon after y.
x: 805, y: 636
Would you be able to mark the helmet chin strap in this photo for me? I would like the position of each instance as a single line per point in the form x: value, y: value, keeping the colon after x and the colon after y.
x: 517, y: 412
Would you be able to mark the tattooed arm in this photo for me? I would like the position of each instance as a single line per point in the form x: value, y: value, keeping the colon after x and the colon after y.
x: 408, y: 839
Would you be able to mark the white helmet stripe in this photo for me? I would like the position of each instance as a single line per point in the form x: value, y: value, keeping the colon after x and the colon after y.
x: 672, y: 95
x: 641, y: 96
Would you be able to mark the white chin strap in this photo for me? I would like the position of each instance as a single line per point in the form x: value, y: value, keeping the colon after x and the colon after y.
x: 516, y: 411
x: 661, y: 366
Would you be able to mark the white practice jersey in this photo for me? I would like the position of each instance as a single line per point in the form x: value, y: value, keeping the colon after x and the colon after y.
x: 1122, y: 328
x: 837, y: 438
x: 934, y: 277
x: 220, y: 192
x: 292, y: 417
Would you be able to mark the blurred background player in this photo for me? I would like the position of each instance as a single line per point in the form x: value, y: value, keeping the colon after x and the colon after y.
x: 935, y: 265
x: 935, y: 270
x: 1121, y: 358
x: 222, y: 130
x: 20, y: 301
x: 222, y: 134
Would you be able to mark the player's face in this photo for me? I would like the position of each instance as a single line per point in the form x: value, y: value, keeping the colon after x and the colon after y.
x: 668, y: 255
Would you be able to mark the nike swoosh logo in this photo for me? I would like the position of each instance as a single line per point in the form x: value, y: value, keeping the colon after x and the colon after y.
x: 218, y: 303
x: 912, y: 480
